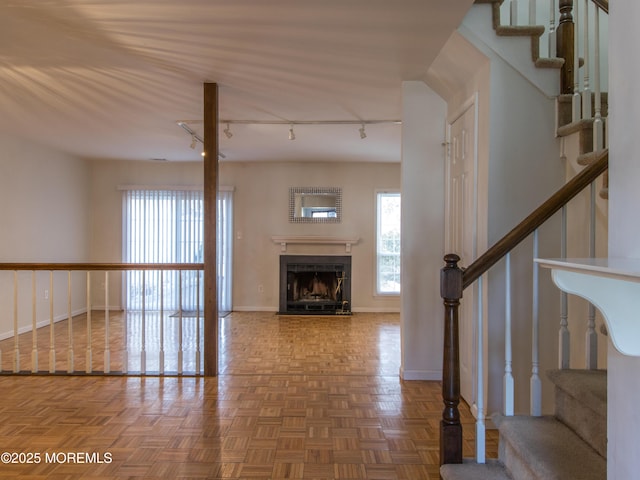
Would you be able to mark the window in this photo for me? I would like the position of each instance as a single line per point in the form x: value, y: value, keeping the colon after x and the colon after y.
x: 167, y: 226
x: 388, y: 243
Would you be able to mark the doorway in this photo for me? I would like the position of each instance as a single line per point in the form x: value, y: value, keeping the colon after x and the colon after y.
x: 461, y: 229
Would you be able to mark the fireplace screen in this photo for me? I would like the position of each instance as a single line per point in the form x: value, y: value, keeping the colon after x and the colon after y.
x: 315, y: 284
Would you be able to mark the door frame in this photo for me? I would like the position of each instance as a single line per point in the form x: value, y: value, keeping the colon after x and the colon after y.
x: 469, y: 103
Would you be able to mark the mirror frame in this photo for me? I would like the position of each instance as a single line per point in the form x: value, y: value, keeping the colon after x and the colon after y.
x: 293, y: 191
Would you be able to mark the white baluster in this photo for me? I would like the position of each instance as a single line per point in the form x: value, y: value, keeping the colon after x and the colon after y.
x: 591, y: 351
x: 107, y: 349
x: 480, y: 420
x: 161, y: 354
x: 507, y: 384
x: 586, y: 90
x: 536, y: 386
x: 16, y: 345
x: 70, y: 353
x: 52, y: 333
x: 552, y: 29
x: 180, y: 352
x: 514, y: 12
x: 564, y: 336
x: 34, y: 325
x: 89, y: 355
x: 143, y: 339
x: 532, y: 12
x: 598, y: 126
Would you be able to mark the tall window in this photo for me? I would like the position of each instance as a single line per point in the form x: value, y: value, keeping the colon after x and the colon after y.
x: 167, y: 226
x: 388, y: 243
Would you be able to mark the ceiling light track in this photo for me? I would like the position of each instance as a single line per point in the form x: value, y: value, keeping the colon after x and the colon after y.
x: 195, y: 137
x: 293, y: 122
x: 311, y: 122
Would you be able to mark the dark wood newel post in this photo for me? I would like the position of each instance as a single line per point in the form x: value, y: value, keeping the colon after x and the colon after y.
x: 565, y: 45
x: 450, y: 427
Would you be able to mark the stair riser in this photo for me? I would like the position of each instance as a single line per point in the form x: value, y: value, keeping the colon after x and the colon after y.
x: 513, y: 462
x: 588, y: 424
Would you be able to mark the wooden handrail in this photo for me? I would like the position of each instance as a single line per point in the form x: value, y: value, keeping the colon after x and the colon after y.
x: 602, y: 5
x: 572, y: 188
x: 453, y: 280
x: 102, y: 267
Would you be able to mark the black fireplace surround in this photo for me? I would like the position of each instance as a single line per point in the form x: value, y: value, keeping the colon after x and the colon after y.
x: 315, y: 285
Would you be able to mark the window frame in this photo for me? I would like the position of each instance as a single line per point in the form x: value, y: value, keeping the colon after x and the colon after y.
x: 377, y: 233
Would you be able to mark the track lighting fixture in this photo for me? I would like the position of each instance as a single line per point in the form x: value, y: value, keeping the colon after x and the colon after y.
x: 195, y: 137
x: 184, y: 124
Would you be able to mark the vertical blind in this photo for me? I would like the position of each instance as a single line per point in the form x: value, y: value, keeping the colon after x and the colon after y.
x: 167, y: 226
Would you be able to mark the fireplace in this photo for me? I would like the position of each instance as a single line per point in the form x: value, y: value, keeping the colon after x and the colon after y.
x: 315, y: 285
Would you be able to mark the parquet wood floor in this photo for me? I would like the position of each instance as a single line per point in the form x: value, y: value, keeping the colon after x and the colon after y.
x: 297, y: 397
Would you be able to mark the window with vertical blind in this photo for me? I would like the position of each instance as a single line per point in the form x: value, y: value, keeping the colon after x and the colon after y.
x: 388, y: 243
x: 167, y: 226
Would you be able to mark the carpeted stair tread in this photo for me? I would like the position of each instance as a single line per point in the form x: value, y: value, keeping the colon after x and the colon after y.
x: 469, y: 470
x: 590, y: 386
x: 546, y: 449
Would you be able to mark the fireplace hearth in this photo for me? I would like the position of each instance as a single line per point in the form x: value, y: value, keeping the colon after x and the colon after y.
x: 315, y: 285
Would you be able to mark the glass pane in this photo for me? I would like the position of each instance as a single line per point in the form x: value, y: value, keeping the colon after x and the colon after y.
x: 388, y: 243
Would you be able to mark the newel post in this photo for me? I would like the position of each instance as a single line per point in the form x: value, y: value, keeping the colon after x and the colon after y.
x: 450, y: 426
x: 565, y: 45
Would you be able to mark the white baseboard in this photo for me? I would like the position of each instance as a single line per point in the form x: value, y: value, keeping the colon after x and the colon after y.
x: 42, y: 323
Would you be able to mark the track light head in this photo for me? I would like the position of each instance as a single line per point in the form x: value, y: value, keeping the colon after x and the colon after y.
x: 363, y: 134
x: 193, y: 142
x: 292, y: 136
x: 227, y: 132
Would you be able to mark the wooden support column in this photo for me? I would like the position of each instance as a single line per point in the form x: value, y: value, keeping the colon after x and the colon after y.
x: 210, y: 220
x: 450, y: 426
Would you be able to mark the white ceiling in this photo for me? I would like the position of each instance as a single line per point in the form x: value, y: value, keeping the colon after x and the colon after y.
x: 110, y: 78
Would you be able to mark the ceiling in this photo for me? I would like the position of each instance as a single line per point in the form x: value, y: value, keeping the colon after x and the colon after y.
x: 110, y: 79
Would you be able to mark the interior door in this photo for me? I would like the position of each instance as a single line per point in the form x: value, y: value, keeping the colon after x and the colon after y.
x: 461, y: 231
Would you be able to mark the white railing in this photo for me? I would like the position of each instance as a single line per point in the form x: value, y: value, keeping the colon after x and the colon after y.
x: 564, y: 333
x: 590, y: 52
x: 158, y: 341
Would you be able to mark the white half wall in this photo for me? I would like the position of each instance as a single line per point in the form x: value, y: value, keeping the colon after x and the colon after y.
x: 422, y: 174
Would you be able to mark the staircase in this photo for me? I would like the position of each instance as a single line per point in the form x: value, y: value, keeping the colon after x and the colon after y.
x: 571, y: 444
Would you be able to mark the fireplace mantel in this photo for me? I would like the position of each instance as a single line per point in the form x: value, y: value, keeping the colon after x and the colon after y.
x: 283, y: 240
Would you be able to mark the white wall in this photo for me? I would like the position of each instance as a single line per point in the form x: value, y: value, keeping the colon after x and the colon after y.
x: 44, y: 218
x: 524, y: 170
x: 623, y: 449
x: 423, y: 124
x: 261, y: 205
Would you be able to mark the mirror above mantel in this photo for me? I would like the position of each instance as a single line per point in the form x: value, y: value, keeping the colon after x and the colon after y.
x: 315, y: 204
